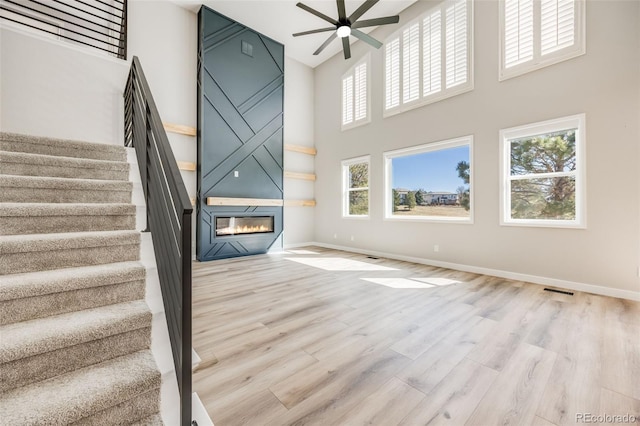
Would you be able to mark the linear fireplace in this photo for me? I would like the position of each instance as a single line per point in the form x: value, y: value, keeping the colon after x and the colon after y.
x: 243, y: 225
x: 230, y: 231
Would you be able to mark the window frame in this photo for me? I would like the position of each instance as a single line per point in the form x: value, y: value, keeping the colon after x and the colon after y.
x: 346, y: 190
x: 578, y: 122
x: 388, y: 157
x: 444, y: 92
x: 539, y: 60
x: 366, y: 59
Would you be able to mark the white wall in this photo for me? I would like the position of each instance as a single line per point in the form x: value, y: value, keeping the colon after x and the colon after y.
x: 164, y: 37
x: 51, y: 88
x: 298, y: 130
x: 604, y: 84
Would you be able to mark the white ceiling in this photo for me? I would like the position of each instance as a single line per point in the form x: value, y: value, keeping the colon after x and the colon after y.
x: 279, y: 19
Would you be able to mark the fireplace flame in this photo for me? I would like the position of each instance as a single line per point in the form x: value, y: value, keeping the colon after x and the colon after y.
x: 242, y: 230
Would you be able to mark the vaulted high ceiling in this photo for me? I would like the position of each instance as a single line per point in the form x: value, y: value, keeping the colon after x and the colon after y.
x: 279, y: 19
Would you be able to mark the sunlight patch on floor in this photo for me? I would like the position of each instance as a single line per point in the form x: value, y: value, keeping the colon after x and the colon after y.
x: 398, y: 282
x: 437, y: 281
x: 301, y: 252
x: 339, y: 264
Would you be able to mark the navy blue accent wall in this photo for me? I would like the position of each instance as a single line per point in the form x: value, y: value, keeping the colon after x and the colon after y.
x: 240, y: 124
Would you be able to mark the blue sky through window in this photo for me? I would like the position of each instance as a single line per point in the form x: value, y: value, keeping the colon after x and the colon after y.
x: 431, y: 171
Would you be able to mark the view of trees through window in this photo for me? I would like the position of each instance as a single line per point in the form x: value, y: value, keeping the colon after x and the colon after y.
x: 358, y: 190
x: 432, y: 183
x: 542, y: 176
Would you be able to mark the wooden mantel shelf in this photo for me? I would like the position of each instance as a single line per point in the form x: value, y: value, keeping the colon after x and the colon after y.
x: 300, y: 148
x: 180, y: 129
x: 258, y: 202
x: 302, y: 176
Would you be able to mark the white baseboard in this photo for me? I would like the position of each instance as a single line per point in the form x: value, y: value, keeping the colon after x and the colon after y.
x: 571, y: 285
x: 198, y: 412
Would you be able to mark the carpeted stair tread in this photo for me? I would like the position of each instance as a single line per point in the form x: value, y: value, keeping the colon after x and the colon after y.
x: 154, y: 420
x: 31, y: 284
x: 59, y: 161
x: 44, y: 218
x: 63, y: 147
x: 30, y: 338
x: 25, y: 371
x: 66, y: 209
x: 66, y: 241
x: 73, y: 396
x: 46, y: 182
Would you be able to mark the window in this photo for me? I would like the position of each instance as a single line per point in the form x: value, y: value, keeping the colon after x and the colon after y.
x: 355, y: 184
x: 430, y: 182
x: 538, y: 33
x: 355, y: 99
x: 543, y: 174
x: 430, y: 59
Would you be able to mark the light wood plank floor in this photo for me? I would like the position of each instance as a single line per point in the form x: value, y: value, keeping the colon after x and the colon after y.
x: 322, y: 337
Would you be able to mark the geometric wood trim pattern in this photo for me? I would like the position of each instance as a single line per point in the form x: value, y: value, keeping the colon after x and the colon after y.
x: 301, y: 149
x: 240, y: 133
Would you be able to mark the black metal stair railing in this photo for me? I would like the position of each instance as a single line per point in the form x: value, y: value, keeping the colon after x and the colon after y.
x: 100, y: 24
x: 168, y: 219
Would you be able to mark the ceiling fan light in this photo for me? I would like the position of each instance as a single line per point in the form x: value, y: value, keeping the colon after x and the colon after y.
x: 343, y: 31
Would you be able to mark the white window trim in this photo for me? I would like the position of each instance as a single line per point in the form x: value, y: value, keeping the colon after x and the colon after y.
x: 549, y: 126
x: 420, y: 149
x: 357, y: 123
x: 579, y: 47
x: 444, y: 93
x: 346, y: 190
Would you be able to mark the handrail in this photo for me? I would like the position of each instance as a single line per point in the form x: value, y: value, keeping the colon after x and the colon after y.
x: 168, y: 219
x: 93, y: 23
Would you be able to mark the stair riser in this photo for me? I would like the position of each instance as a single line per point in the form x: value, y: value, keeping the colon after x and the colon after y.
x: 22, y: 169
x: 12, y: 311
x: 15, y: 263
x: 136, y: 409
x: 48, y: 195
x: 20, y: 225
x: 60, y: 150
x: 33, y: 369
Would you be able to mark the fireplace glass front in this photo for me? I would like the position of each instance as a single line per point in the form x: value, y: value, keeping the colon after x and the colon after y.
x: 243, y: 225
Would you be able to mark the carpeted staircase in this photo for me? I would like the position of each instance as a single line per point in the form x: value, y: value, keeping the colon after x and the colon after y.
x: 75, y: 329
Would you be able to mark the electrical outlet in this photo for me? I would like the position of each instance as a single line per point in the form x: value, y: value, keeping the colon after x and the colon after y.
x: 335, y: 236
x: 353, y: 238
x: 436, y: 248
x: 236, y: 173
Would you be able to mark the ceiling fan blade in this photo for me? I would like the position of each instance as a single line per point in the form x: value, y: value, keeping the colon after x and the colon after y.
x: 318, y: 14
x: 342, y: 14
x: 319, y: 30
x: 346, y: 48
x: 368, y: 4
x: 325, y: 44
x: 377, y: 21
x: 366, y: 38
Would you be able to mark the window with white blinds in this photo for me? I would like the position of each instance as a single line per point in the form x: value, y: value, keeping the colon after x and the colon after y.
x: 355, y: 95
x: 431, y: 54
x: 392, y: 73
x: 430, y: 58
x: 538, y: 33
x: 411, y: 63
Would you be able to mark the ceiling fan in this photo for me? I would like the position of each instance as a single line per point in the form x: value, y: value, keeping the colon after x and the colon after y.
x: 345, y: 26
